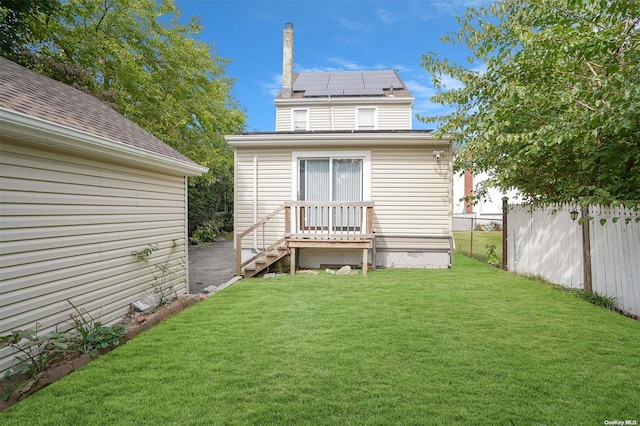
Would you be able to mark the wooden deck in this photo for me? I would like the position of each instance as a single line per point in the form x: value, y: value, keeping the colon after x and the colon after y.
x: 327, y: 225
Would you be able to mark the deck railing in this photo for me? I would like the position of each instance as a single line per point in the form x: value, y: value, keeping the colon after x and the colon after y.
x: 312, y: 220
x: 329, y: 219
x: 239, y: 236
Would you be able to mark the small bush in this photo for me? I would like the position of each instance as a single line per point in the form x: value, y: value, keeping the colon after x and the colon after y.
x: 166, y: 274
x: 492, y: 256
x: 207, y: 232
x: 91, y: 335
x: 36, y: 353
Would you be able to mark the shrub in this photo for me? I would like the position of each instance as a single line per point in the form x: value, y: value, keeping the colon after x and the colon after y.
x: 91, y: 335
x: 207, y: 232
x: 36, y: 353
x: 492, y: 256
x: 166, y: 274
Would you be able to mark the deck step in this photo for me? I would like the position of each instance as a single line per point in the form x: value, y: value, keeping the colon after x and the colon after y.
x: 264, y: 261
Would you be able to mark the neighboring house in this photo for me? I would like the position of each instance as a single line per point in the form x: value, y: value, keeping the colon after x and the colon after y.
x: 483, y: 211
x: 81, y: 188
x: 343, y: 179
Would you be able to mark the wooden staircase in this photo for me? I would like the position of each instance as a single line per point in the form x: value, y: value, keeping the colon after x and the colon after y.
x: 308, y: 224
x: 264, y: 259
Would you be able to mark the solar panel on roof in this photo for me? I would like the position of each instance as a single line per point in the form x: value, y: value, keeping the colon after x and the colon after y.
x: 323, y: 92
x: 346, y: 82
x: 364, y: 91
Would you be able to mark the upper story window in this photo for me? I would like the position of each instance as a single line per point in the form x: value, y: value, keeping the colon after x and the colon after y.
x: 300, y: 119
x: 366, y: 119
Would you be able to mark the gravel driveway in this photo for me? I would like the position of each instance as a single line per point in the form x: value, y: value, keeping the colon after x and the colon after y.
x: 210, y: 264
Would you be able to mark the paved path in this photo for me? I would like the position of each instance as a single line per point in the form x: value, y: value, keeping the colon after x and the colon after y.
x: 210, y: 264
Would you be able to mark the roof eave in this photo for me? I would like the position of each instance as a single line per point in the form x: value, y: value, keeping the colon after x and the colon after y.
x: 25, y: 127
x: 276, y: 139
x: 345, y: 100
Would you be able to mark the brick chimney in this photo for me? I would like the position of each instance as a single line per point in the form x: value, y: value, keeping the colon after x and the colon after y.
x: 287, y: 60
x: 468, y: 190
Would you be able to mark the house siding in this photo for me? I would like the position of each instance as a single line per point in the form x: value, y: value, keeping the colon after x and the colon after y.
x: 283, y: 119
x: 273, y: 171
x: 411, y: 191
x: 343, y: 116
x: 69, y: 226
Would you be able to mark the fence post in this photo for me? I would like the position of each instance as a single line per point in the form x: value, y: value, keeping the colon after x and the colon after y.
x: 473, y: 225
x: 586, y: 250
x: 505, y: 246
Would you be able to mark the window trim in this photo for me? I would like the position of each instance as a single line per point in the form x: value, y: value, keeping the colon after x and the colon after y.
x: 365, y: 155
x: 293, y: 119
x: 375, y: 116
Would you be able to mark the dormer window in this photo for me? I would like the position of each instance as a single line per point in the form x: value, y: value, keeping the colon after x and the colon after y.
x: 366, y: 119
x: 300, y: 119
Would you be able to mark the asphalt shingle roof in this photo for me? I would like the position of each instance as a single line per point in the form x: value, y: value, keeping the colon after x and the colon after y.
x: 38, y: 96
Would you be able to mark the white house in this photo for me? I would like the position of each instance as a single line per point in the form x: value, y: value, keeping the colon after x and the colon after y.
x: 81, y: 187
x: 484, y: 211
x: 343, y: 179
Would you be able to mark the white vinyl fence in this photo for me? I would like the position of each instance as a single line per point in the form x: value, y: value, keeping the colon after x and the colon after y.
x: 546, y: 242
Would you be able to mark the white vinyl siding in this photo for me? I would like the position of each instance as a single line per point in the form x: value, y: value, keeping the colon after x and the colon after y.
x: 394, y: 117
x: 412, y: 192
x: 273, y: 170
x: 283, y: 119
x: 343, y: 116
x: 69, y: 226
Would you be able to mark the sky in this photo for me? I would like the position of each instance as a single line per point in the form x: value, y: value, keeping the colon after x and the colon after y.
x: 329, y: 35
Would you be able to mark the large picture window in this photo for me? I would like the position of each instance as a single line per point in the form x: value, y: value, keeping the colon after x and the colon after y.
x: 333, y: 178
x: 330, y: 179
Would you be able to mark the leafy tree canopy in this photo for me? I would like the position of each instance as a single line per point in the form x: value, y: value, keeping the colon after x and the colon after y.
x: 553, y: 107
x: 137, y: 56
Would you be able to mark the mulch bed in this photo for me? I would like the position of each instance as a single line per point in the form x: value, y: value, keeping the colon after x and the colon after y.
x: 73, y: 361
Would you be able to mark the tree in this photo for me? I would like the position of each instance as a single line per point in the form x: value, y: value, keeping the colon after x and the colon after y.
x: 138, y: 57
x: 553, y: 109
x: 16, y: 29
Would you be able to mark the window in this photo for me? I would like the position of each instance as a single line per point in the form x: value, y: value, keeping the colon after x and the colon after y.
x: 300, y: 121
x: 330, y: 179
x: 366, y: 119
x: 331, y: 176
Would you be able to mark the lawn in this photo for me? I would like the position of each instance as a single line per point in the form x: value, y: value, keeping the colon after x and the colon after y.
x: 480, y: 241
x: 470, y: 345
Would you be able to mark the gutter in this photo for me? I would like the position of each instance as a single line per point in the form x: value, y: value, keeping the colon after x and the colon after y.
x: 351, y: 138
x: 27, y: 128
x: 322, y: 100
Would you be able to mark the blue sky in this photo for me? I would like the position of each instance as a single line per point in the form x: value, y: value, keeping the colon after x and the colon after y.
x: 329, y: 35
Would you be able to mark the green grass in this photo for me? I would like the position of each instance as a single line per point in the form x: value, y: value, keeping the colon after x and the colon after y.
x: 470, y: 345
x: 480, y: 240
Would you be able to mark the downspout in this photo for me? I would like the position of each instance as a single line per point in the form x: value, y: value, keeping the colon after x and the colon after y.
x: 186, y: 233
x: 255, y: 202
x: 331, y: 119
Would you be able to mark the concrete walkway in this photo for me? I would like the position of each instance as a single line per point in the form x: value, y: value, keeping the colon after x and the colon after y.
x: 210, y: 264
